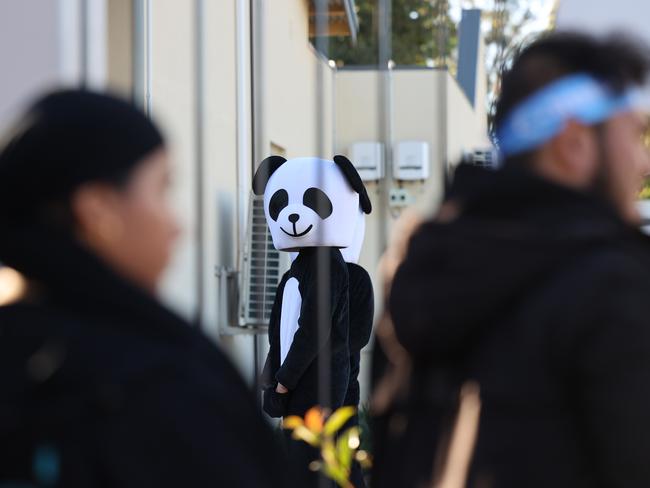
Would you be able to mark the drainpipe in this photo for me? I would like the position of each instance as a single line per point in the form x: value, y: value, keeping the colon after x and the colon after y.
x: 244, y: 116
x: 247, y: 47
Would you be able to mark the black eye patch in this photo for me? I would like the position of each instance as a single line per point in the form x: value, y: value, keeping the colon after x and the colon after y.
x: 279, y: 200
x: 318, y: 201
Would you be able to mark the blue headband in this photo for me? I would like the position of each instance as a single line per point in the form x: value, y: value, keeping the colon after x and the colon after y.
x: 544, y: 114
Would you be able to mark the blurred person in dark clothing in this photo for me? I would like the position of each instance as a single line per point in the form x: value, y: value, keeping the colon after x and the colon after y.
x: 100, y: 385
x: 525, y: 308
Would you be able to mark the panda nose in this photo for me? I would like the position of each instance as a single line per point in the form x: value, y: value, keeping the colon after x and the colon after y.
x: 293, y: 218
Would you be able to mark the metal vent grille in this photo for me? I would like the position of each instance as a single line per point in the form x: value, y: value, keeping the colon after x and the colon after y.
x: 262, y: 267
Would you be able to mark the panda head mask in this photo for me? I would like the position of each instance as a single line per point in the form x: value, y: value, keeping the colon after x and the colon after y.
x: 311, y: 202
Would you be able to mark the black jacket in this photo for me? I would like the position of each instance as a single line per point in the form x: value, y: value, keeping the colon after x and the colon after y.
x: 310, y: 347
x: 541, y: 295
x: 103, y: 387
x: 362, y: 311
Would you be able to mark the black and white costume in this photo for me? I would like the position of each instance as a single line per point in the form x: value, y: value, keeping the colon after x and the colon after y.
x: 312, y: 206
x: 294, y: 342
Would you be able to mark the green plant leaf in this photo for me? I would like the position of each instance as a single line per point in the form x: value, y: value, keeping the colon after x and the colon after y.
x: 338, y: 419
x: 336, y: 473
x: 344, y: 453
x: 292, y: 422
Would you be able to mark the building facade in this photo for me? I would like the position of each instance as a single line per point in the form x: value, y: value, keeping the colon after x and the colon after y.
x: 231, y: 82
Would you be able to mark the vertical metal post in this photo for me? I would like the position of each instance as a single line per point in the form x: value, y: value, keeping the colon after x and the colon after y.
x: 93, y: 44
x: 250, y: 87
x: 258, y: 68
x: 442, y: 89
x: 333, y: 107
x: 199, y: 101
x: 70, y: 41
x: 385, y: 104
x: 142, y: 44
x: 244, y: 115
x: 324, y: 302
x: 148, y: 46
x: 83, y: 43
x: 244, y: 60
x: 137, y: 53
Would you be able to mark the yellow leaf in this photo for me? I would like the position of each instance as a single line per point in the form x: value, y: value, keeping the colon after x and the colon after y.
x: 338, y: 419
x: 304, y: 434
x: 328, y: 451
x: 291, y: 422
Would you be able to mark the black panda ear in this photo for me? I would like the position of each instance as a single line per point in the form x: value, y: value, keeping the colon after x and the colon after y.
x: 264, y: 172
x: 351, y: 174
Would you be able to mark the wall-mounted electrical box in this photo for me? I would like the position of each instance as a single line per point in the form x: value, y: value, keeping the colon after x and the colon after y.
x: 411, y: 160
x: 368, y: 158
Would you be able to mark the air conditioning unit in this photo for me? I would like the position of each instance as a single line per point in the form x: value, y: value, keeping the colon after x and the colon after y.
x: 261, y: 269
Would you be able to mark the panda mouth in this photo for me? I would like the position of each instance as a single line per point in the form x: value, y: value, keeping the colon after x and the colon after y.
x: 295, y: 233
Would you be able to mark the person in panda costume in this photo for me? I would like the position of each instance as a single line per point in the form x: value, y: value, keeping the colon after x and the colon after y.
x: 312, y: 206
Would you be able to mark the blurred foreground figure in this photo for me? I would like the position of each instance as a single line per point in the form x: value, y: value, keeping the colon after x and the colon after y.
x: 99, y: 384
x: 525, y: 307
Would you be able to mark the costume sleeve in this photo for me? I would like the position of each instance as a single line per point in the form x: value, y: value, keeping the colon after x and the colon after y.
x: 306, y: 342
x: 272, y: 362
x: 362, y: 307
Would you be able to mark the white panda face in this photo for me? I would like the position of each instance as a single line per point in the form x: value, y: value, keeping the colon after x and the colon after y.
x: 308, y: 202
x: 352, y: 253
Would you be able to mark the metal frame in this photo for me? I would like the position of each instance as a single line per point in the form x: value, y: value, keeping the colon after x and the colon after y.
x: 244, y: 116
x: 142, y: 43
x: 353, y: 20
x: 199, y: 101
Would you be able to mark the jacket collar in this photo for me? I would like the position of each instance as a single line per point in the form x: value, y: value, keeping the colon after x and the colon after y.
x: 517, y: 195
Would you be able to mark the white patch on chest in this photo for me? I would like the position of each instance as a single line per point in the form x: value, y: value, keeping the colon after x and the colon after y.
x: 291, y: 303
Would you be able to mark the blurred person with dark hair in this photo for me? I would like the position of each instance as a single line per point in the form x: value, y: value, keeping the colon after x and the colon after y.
x: 525, y: 307
x: 100, y: 385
